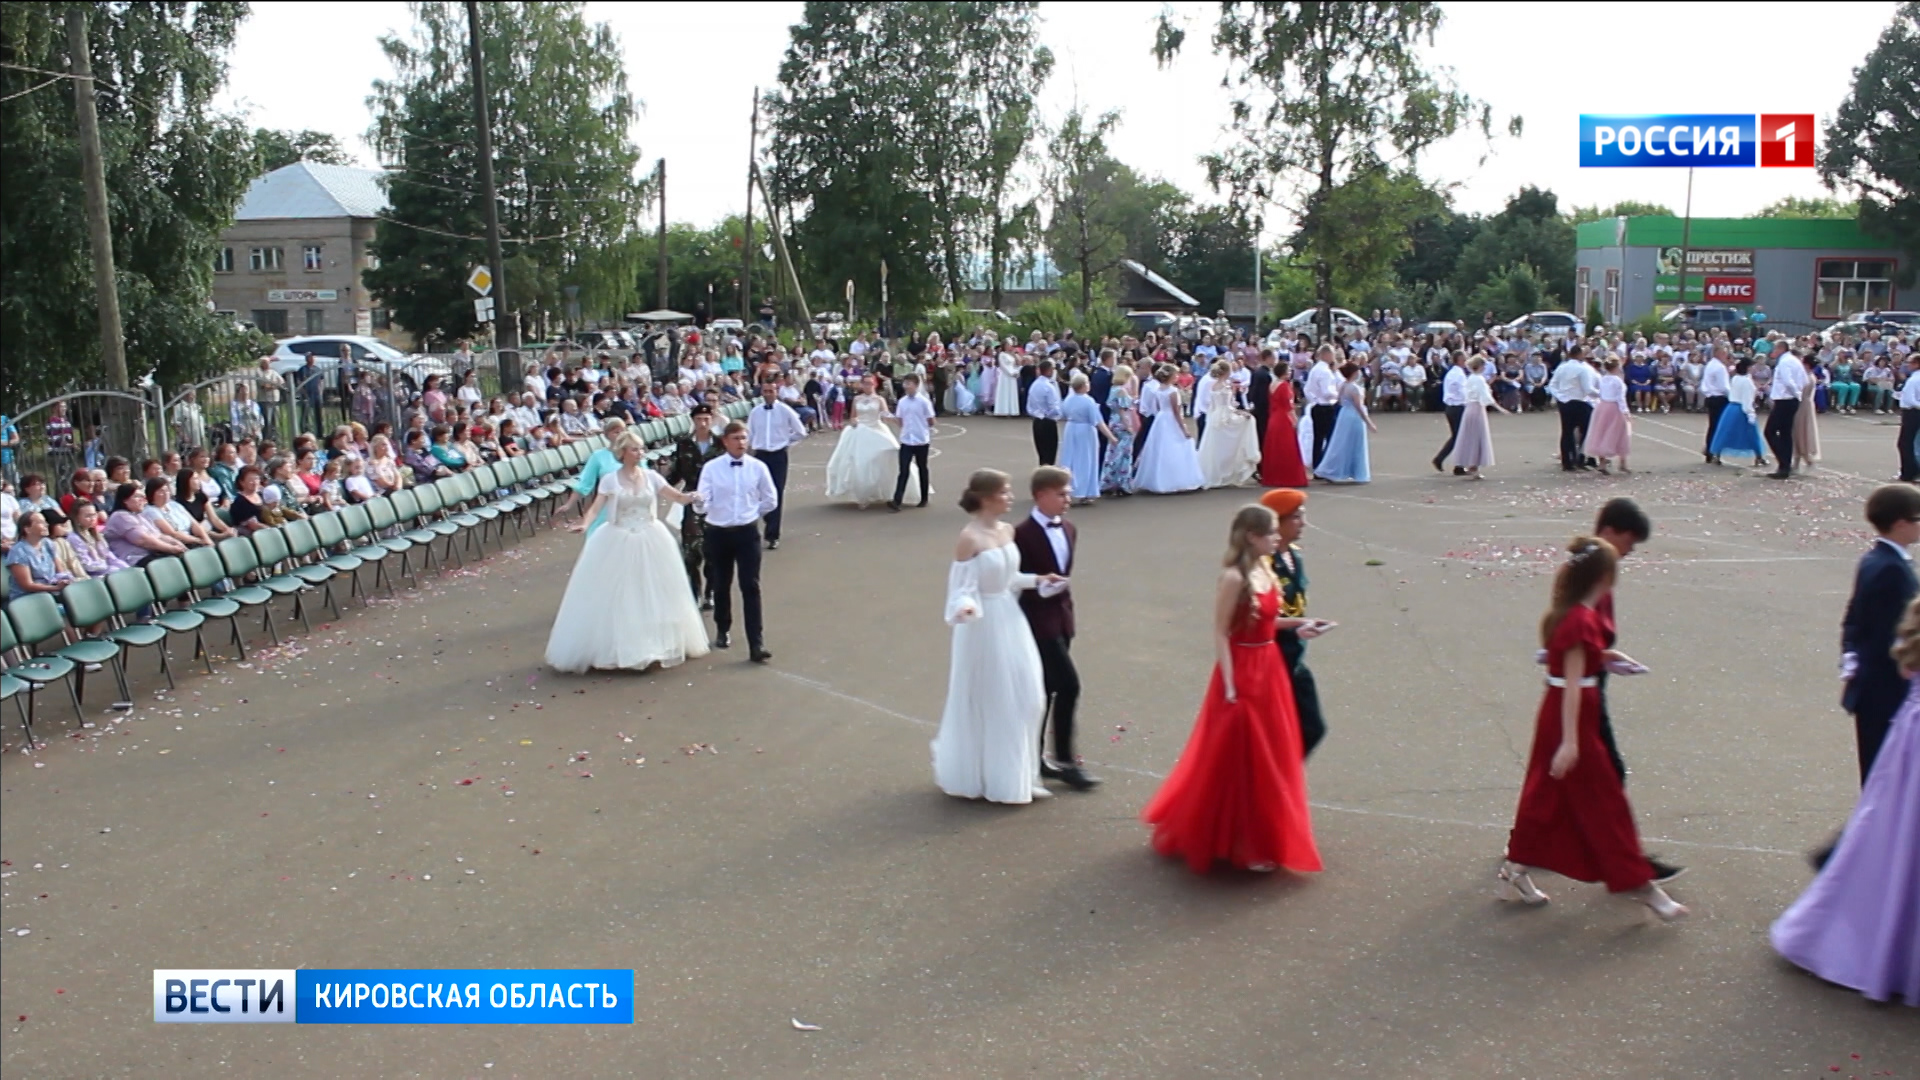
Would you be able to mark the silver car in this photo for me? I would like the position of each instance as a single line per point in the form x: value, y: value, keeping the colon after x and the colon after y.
x: 368, y: 353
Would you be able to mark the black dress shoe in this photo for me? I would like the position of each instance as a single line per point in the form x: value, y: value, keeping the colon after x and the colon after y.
x: 773, y: 545
x: 1050, y: 771
x: 759, y: 655
x: 1664, y: 872
x: 1779, y: 475
x: 893, y: 508
x: 723, y: 640
x: 921, y: 505
x: 1076, y: 779
x: 706, y: 605
x: 1458, y: 471
x: 1437, y: 467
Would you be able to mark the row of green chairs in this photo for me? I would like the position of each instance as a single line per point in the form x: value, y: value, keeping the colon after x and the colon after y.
x: 97, y: 622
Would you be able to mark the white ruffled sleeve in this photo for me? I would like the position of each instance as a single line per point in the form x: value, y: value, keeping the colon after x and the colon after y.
x: 963, y: 593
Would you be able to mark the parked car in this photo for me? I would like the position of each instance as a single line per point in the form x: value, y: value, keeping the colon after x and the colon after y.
x: 829, y: 324
x: 400, y: 369
x: 1145, y: 321
x: 1342, y: 320
x: 1549, y: 323
x: 1705, y: 317
x: 727, y: 326
x: 611, y: 340
x: 1437, y: 327
x: 1857, y: 325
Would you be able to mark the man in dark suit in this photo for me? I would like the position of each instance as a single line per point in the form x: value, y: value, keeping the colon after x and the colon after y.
x: 1100, y: 387
x: 1259, y: 391
x: 1882, y: 587
x: 1045, y: 540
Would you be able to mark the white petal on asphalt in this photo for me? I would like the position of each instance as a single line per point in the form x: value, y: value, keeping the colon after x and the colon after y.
x: 798, y: 1025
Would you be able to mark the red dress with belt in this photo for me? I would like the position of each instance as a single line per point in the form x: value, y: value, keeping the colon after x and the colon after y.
x: 1579, y: 826
x: 1239, y: 791
x: 1280, y: 462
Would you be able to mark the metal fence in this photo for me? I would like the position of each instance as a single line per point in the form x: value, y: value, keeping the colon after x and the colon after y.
x: 82, y: 429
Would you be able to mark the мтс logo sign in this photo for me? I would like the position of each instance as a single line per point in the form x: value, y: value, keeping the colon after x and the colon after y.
x: 1697, y: 140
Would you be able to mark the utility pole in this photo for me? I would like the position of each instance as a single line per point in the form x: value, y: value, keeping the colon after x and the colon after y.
x: 93, y: 174
x: 746, y: 240
x: 1686, y: 245
x: 661, y: 175
x: 506, y: 331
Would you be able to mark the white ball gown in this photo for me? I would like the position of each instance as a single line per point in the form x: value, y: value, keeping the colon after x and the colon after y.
x: 1168, y: 461
x: 627, y: 603
x: 866, y: 459
x: 1006, y: 392
x: 988, y: 745
x: 1230, y: 447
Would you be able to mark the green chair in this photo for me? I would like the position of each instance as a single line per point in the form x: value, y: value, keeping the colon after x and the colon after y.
x: 406, y: 509
x: 88, y: 604
x: 363, y: 543
x: 433, y: 503
x: 271, y: 548
x: 303, y: 548
x: 481, y: 484
x: 29, y: 621
x: 167, y: 583
x: 12, y: 689
x: 241, y: 559
x: 386, y: 519
x: 457, y: 496
x: 129, y: 593
x: 206, y: 570
x: 330, y: 530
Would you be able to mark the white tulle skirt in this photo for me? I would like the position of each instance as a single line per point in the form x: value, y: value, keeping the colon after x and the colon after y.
x: 627, y: 604
x: 1168, y: 462
x: 988, y: 745
x: 864, y: 464
x: 1229, y: 449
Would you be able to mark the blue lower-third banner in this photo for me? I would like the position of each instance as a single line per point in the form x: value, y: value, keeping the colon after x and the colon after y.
x: 395, y: 996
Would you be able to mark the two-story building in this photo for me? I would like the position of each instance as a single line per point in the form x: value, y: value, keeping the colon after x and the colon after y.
x: 292, y: 261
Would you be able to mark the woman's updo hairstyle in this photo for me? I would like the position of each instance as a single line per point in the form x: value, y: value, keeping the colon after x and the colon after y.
x: 984, y: 484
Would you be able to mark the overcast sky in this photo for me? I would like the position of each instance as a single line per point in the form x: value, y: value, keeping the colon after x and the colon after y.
x: 693, y: 66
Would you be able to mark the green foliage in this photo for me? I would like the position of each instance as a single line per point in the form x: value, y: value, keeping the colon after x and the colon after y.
x: 176, y: 171
x: 698, y: 258
x: 1056, y: 314
x: 1645, y: 326
x: 1872, y: 147
x: 1793, y: 206
x: 953, y: 322
x: 1289, y: 289
x: 1512, y: 292
x: 1625, y: 208
x: 1205, y: 250
x: 1595, y: 313
x: 564, y: 166
x: 1367, y: 222
x: 1531, y: 231
x: 1434, y: 243
x: 275, y: 149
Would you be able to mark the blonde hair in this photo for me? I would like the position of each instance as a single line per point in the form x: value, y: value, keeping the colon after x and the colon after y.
x: 1249, y: 522
x: 1079, y: 381
x: 1592, y: 563
x: 1123, y: 373
x: 981, y: 486
x: 1906, y: 643
x: 624, y: 440
x: 1219, y: 368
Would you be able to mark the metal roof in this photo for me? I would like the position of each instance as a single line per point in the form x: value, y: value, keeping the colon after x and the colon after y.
x: 1161, y: 283
x: 308, y: 189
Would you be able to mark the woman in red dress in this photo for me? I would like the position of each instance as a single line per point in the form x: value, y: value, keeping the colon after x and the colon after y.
x: 1573, y: 817
x: 1280, y: 464
x: 1239, y: 791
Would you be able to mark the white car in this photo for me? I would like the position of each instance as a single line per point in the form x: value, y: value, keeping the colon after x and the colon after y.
x: 735, y: 327
x: 1887, y: 322
x: 1549, y: 323
x: 1342, y: 320
x: 290, y: 355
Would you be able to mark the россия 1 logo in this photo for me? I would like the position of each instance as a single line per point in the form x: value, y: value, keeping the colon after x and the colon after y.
x: 1702, y: 140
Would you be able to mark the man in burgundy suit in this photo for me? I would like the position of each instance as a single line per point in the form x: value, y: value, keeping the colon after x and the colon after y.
x: 1045, y: 540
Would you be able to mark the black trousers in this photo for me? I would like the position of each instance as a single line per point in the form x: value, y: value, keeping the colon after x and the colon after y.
x: 730, y: 553
x: 1606, y: 733
x: 1870, y: 727
x: 909, y: 457
x: 1714, y: 405
x: 1199, y: 427
x: 1323, y: 420
x: 1046, y: 440
x: 1140, y: 438
x: 1909, y: 455
x: 1454, y: 413
x: 776, y: 462
x: 1260, y: 416
x: 1574, y: 417
x: 1780, y: 433
x: 1063, y: 696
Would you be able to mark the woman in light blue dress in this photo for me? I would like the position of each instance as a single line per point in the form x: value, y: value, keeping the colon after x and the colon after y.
x: 1346, y: 461
x: 1080, y: 443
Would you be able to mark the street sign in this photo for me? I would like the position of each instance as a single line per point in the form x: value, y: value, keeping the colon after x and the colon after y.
x: 481, y: 280
x: 483, y: 309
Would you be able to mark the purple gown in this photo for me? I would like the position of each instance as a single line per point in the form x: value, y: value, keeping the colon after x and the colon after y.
x: 1858, y: 924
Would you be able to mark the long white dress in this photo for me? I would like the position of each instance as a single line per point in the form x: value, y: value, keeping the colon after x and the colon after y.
x: 866, y: 459
x: 627, y: 603
x: 988, y: 745
x: 1168, y: 462
x: 1006, y: 392
x: 1230, y: 447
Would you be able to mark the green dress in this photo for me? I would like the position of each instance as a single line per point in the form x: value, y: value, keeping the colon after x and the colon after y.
x: 1292, y: 575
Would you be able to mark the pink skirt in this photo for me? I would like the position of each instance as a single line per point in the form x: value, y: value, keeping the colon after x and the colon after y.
x: 1610, y: 435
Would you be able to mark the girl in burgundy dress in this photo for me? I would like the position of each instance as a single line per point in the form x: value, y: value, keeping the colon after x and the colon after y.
x: 1239, y: 790
x: 1573, y: 817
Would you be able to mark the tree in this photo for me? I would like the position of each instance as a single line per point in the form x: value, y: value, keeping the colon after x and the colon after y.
x: 1206, y: 250
x: 1873, y: 144
x: 1088, y: 231
x: 276, y: 149
x: 1329, y: 94
x: 570, y: 203
x: 1793, y: 206
x: 1530, y: 231
x: 698, y: 258
x: 1625, y: 208
x: 1511, y: 292
x: 1434, y: 244
x: 176, y: 170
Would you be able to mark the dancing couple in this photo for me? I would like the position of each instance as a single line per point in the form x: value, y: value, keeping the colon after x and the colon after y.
x: 869, y: 461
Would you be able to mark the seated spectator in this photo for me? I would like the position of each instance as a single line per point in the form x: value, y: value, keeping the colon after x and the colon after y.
x: 283, y: 496
x: 511, y: 443
x: 333, y: 495
x: 419, y: 457
x: 131, y: 535
x: 355, y: 486
x: 383, y: 469
x: 33, y: 494
x: 462, y: 441
x: 30, y: 561
x: 89, y: 542
x: 64, y: 558
x: 249, y: 508
x: 172, y: 519
x: 444, y: 452
x: 79, y: 489
x: 192, y: 497
x: 306, y: 475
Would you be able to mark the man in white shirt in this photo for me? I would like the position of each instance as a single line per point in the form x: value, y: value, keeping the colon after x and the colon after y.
x: 915, y: 414
x: 1147, y: 406
x: 738, y: 491
x: 1043, y: 404
x: 772, y: 427
x: 1910, y: 420
x: 1323, y: 400
x: 1202, y: 393
x: 1453, y: 395
x: 1714, y: 382
x: 1573, y: 388
x: 1789, y: 381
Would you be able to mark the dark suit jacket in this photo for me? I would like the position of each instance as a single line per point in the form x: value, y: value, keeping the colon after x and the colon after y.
x: 1258, y: 393
x: 1029, y: 373
x: 1101, y: 387
x: 1049, y: 616
x: 1882, y: 587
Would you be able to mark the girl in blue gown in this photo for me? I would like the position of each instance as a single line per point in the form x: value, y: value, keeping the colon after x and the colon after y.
x: 1080, y: 443
x: 1346, y: 459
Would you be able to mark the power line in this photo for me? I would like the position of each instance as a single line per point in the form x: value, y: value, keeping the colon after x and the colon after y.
x: 477, y: 239
x: 31, y: 89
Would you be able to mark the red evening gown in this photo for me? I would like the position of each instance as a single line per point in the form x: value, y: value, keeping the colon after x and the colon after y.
x: 1580, y: 826
x: 1239, y: 791
x: 1280, y: 464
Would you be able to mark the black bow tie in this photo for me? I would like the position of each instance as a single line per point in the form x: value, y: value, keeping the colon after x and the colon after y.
x: 1055, y: 525
x: 736, y: 463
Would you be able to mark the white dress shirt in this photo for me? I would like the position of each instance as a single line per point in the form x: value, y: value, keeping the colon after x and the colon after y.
x: 1573, y: 380
x: 1713, y: 379
x: 1613, y: 391
x: 1323, y: 386
x: 915, y: 414
x: 1453, y: 388
x: 1149, y: 402
x: 1789, y: 379
x: 1475, y: 388
x: 1043, y: 400
x: 774, y: 426
x: 1202, y: 391
x: 1910, y: 392
x: 738, y: 491
x: 1056, y: 538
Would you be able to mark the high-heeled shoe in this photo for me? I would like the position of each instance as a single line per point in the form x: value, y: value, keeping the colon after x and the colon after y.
x: 1516, y: 885
x: 1665, y: 907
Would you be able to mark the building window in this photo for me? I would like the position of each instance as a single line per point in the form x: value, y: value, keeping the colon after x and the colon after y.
x: 373, y: 261
x: 1844, y: 287
x: 316, y: 320
x: 1613, y: 295
x: 1582, y: 290
x: 264, y: 259
x: 223, y: 261
x: 310, y: 257
x: 271, y: 321
x: 382, y: 319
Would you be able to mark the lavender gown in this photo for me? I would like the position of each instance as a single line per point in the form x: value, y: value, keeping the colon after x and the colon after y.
x: 1858, y: 924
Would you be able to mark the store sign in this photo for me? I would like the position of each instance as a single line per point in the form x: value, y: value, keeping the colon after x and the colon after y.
x: 1730, y: 290
x: 1718, y: 262
x: 300, y: 296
